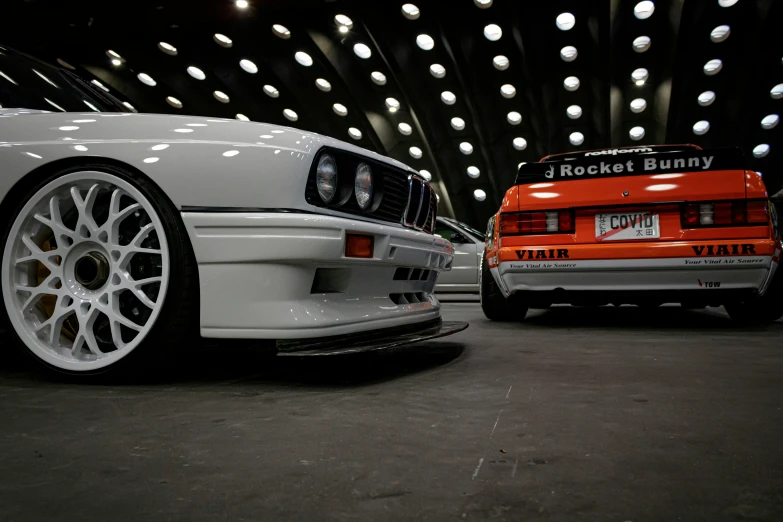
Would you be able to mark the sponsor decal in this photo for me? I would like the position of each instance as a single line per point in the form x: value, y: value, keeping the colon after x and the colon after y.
x: 708, y: 284
x: 744, y: 249
x: 615, y: 152
x: 639, y: 166
x: 630, y: 162
x: 552, y: 253
x: 538, y: 266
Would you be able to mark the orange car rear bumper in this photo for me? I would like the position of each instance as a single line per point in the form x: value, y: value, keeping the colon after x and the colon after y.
x: 675, y: 266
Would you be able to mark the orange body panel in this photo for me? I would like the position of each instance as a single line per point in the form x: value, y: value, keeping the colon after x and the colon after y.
x: 658, y: 193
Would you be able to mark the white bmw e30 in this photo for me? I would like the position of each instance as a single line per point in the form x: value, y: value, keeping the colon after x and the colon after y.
x: 122, y: 230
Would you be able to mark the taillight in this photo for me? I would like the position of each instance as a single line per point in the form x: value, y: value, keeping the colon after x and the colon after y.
x: 725, y: 213
x: 544, y: 222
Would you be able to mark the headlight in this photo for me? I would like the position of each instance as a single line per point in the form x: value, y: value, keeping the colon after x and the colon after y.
x: 362, y: 186
x: 326, y: 178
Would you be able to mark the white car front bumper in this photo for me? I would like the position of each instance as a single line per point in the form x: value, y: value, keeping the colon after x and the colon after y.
x: 280, y: 275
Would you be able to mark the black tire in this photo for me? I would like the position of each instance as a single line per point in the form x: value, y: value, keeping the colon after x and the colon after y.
x: 176, y: 324
x: 495, y: 306
x: 765, y: 309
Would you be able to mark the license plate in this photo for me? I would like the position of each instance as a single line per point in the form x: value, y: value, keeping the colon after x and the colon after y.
x: 627, y: 226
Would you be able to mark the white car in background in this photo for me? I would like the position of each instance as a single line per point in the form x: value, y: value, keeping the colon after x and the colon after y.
x: 463, y: 278
x: 122, y: 231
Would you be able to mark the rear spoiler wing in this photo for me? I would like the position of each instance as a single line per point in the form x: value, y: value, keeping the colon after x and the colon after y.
x: 631, y: 163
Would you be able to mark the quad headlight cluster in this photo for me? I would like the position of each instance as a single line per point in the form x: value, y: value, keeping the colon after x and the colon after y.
x: 328, y: 183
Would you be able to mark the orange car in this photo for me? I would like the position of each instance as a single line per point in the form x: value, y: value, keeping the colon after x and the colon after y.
x: 637, y: 225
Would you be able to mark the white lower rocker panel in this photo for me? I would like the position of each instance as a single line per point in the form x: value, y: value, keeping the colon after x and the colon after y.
x: 256, y: 273
x: 681, y: 273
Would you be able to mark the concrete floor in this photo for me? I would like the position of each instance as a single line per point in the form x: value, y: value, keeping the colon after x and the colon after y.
x: 578, y: 414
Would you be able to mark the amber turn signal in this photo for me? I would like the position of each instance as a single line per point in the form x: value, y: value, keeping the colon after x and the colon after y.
x: 358, y: 245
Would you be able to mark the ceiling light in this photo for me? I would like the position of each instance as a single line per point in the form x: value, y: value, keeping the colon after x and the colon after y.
x: 701, y: 127
x: 415, y: 152
x: 47, y: 80
x: 222, y: 40
x: 425, y: 42
x: 641, y: 44
x: 458, y: 123
x: 437, y: 70
x: 248, y: 66
x: 473, y: 172
x: 638, y: 105
x: 355, y: 133
x: 378, y: 78
x: 493, y: 32
x: 507, y: 91
x: 565, y: 21
x: 303, y: 58
x: 242, y: 117
x: 759, y: 151
x: 115, y: 62
x: 727, y: 3
x: 713, y: 67
x: 271, y: 91
x: 776, y: 92
x: 66, y: 64
x: 636, y: 133
x: 242, y: 4
x: 448, y: 97
x: 343, y: 29
x: 343, y: 21
x: 466, y: 148
x: 425, y: 174
x: 281, y: 31
x: 640, y: 76
x: 576, y: 138
x: 340, y: 109
x: 644, y: 10
x: 167, y: 48
x: 323, y: 85
x: 574, y: 111
x: 405, y: 129
x: 568, y: 53
x: 221, y: 96
x: 500, y: 62
x: 99, y: 85
x: 290, y: 115
x: 514, y: 118
x: 196, y: 73
x: 571, y: 83
x: 720, y: 33
x: 362, y: 51
x: 483, y: 4
x: 146, y: 79
x: 392, y: 103
x: 706, y: 98
x: 770, y: 121
x: 480, y: 195
x: 410, y: 11
x: 520, y: 143
x: 129, y: 107
x: 111, y: 54
x: 8, y: 78
x: 91, y: 106
x: 50, y: 102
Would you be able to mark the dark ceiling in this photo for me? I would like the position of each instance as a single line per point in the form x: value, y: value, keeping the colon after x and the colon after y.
x: 82, y: 32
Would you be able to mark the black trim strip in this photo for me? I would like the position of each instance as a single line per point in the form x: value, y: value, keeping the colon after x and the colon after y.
x: 197, y: 208
x: 237, y: 210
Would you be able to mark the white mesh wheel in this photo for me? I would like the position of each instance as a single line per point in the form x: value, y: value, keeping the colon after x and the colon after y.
x: 85, y: 270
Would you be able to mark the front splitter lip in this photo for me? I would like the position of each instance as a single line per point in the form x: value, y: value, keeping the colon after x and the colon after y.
x: 372, y: 341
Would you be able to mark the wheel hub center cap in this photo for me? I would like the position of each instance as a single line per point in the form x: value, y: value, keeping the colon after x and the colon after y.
x: 92, y: 270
